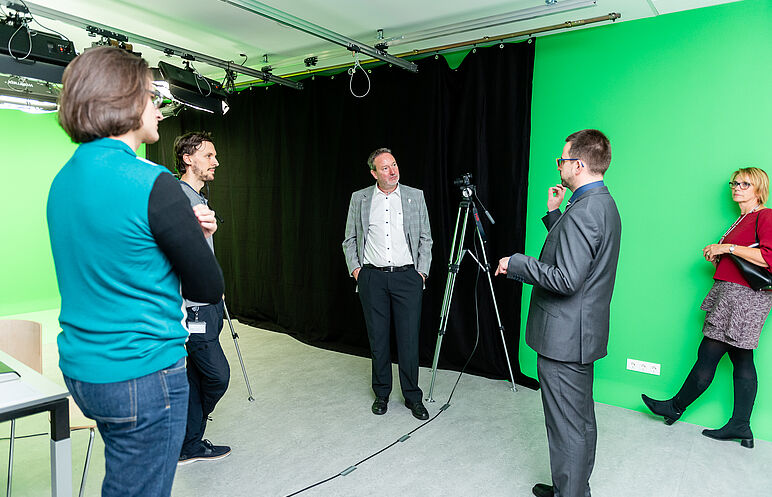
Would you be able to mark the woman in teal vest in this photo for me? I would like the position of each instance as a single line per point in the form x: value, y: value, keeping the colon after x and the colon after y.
x: 124, y: 237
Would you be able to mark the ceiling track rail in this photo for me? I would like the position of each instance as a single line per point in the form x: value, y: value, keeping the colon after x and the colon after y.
x: 294, y: 22
x: 464, y: 44
x: 162, y: 47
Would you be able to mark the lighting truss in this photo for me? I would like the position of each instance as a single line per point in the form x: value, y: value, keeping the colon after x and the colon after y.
x: 281, y: 17
x: 161, y: 46
x: 488, y: 22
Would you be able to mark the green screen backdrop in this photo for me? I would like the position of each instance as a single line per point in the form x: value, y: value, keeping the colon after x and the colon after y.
x: 34, y: 149
x: 685, y: 100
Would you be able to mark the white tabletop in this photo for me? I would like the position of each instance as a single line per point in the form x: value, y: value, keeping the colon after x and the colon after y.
x: 30, y: 389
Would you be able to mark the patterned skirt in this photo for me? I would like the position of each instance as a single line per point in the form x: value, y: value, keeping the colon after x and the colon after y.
x: 735, y: 314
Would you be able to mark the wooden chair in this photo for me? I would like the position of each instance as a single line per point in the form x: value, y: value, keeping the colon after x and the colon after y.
x: 23, y: 340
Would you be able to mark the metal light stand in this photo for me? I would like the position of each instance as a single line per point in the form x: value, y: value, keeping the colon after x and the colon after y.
x: 457, y: 253
x: 238, y: 351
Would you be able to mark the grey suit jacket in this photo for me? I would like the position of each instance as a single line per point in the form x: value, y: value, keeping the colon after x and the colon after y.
x: 573, y: 279
x: 415, y: 220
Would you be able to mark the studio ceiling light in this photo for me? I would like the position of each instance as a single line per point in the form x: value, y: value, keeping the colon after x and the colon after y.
x: 187, y: 87
x: 33, y: 54
x: 27, y: 95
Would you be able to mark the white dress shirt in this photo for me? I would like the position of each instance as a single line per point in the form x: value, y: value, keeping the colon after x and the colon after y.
x: 386, y: 244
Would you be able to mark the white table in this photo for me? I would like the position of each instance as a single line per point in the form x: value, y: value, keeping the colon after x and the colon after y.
x: 31, y: 394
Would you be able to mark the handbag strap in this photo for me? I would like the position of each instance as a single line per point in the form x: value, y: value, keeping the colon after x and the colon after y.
x: 756, y: 231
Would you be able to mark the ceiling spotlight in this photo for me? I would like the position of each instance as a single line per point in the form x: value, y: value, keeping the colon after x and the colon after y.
x: 187, y: 87
x: 32, y: 54
x: 27, y: 95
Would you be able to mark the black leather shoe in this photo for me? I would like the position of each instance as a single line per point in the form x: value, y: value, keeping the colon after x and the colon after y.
x: 418, y: 410
x: 733, y: 430
x: 542, y: 490
x: 381, y: 405
x: 664, y: 408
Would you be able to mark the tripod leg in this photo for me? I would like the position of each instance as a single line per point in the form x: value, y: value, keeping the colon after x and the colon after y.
x: 449, y: 285
x: 429, y: 398
x: 456, y: 255
x: 238, y: 352
x: 496, y: 310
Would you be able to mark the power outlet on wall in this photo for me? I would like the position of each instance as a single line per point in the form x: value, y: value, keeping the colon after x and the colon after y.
x: 643, y: 366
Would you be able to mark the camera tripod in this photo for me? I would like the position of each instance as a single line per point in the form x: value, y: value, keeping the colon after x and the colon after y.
x: 457, y: 252
x: 238, y: 351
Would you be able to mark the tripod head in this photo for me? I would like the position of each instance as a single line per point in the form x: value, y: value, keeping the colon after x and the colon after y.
x: 469, y: 192
x: 464, y: 182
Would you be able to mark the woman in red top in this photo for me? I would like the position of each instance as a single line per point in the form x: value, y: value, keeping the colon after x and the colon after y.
x: 735, y: 312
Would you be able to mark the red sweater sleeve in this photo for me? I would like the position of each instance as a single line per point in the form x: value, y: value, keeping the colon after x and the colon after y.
x: 765, y: 235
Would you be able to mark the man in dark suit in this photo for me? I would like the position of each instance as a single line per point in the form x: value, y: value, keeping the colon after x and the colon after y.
x: 568, y: 320
x: 388, y: 249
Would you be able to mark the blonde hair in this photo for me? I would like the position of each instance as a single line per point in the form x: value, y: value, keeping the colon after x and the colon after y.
x: 758, y: 178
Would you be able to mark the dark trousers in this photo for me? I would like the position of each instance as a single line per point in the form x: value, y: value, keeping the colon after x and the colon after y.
x: 208, y: 372
x: 569, y: 413
x: 386, y: 297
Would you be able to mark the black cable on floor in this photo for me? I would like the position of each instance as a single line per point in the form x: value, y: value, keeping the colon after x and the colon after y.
x: 407, y: 435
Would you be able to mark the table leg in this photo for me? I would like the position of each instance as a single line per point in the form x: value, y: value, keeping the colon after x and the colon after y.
x: 61, y: 450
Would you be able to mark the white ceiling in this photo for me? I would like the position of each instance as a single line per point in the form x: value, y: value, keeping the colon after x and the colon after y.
x: 220, y: 30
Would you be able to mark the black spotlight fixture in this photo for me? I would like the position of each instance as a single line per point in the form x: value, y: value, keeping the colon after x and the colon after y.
x: 184, y: 85
x: 32, y: 54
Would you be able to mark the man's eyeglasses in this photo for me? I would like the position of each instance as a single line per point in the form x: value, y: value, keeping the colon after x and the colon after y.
x: 560, y: 161
x: 157, y: 98
x: 744, y: 185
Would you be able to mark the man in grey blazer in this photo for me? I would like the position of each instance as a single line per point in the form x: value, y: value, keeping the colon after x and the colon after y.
x: 388, y: 249
x: 568, y: 320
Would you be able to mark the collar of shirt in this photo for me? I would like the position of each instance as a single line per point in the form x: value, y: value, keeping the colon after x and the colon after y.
x: 584, y: 189
x: 194, y: 190
x: 396, y: 192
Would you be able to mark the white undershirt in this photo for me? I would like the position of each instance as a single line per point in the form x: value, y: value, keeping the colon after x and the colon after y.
x: 386, y: 244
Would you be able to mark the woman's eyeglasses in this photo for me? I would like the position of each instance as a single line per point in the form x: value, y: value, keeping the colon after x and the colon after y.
x: 744, y: 185
x: 157, y: 98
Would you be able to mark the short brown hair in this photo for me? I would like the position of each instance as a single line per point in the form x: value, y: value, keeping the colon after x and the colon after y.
x: 104, y: 92
x: 758, y: 178
x: 187, y: 144
x: 374, y: 154
x: 591, y: 147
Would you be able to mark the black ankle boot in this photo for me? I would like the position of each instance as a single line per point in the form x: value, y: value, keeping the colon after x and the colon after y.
x: 664, y: 408
x: 733, y: 430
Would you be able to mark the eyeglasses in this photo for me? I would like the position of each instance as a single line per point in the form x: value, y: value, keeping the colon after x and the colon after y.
x: 744, y: 185
x: 560, y: 161
x: 158, y: 99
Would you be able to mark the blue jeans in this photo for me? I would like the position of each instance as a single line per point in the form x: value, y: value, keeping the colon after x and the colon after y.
x: 142, y: 423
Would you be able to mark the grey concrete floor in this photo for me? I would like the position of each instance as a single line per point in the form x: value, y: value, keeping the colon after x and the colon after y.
x: 311, y: 420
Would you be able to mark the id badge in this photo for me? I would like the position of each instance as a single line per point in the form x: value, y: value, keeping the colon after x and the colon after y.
x: 197, y: 326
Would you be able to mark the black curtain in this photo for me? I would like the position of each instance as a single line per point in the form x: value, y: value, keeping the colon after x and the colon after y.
x: 291, y: 159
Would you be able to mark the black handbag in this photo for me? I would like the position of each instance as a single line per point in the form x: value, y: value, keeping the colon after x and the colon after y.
x: 758, y: 277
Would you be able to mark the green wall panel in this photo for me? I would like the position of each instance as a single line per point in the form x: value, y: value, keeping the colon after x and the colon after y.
x: 685, y: 100
x: 34, y: 149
